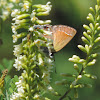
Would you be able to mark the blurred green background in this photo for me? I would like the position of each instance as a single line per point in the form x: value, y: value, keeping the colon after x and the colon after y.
x: 66, y: 12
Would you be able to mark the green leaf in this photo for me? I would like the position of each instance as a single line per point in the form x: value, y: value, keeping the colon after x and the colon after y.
x: 7, y: 64
x: 12, y: 84
x: 1, y: 68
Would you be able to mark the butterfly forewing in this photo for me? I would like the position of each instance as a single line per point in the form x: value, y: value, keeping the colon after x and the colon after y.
x: 61, y: 36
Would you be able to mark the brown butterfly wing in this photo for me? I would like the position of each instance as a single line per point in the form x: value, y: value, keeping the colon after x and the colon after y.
x: 62, y: 35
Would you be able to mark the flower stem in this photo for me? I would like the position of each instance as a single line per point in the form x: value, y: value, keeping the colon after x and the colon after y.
x: 66, y: 93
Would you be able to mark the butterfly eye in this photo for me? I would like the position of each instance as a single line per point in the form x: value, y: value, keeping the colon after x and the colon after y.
x: 46, y: 27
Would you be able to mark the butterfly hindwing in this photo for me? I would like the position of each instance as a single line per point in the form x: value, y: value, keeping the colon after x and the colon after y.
x: 62, y: 35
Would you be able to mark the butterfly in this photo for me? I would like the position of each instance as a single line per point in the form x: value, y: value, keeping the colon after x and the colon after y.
x: 61, y: 35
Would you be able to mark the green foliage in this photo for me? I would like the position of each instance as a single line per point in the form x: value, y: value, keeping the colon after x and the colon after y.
x: 6, y: 64
x: 9, y: 87
x: 5, y: 82
x: 34, y: 64
x: 90, y: 38
x: 12, y: 87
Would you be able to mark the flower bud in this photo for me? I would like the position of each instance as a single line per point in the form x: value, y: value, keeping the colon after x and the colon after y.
x: 94, y: 77
x: 27, y: 87
x: 98, y: 2
x: 91, y: 26
x: 84, y: 40
x: 87, y: 48
x: 87, y: 27
x: 95, y: 32
x: 43, y: 22
x: 98, y: 18
x: 96, y: 8
x: 96, y: 25
x: 79, y: 86
x: 87, y: 75
x: 74, y: 59
x: 82, y: 48
x: 98, y: 28
x: 94, y: 55
x: 22, y: 16
x: 41, y: 10
x: 22, y: 21
x: 92, y: 62
x: 92, y: 10
x: 89, y: 32
x: 81, y: 60
x: 42, y: 13
x: 90, y: 17
x: 86, y: 35
x: 76, y: 67
x: 97, y: 40
x: 40, y: 59
x: 79, y: 77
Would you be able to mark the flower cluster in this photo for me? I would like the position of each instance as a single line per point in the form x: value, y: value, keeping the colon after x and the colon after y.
x: 20, y: 89
x: 6, y: 7
x: 29, y: 51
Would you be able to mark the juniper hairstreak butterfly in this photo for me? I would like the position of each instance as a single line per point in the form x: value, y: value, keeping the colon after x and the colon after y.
x: 61, y: 35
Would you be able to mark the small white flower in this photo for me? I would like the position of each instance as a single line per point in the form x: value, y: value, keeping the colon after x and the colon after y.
x: 24, y: 39
x: 17, y: 21
x: 15, y: 12
x: 38, y: 42
x: 47, y: 7
x: 25, y: 7
x: 15, y: 38
x: 33, y: 17
x: 31, y: 29
x: 49, y: 45
x: 10, y: 6
x: 37, y: 75
x: 41, y: 61
x: 18, y: 49
x: 34, y: 58
x: 15, y: 96
x: 14, y: 29
x: 5, y: 13
x: 18, y: 62
x: 50, y: 88
x: 46, y: 76
x: 36, y: 96
x: 21, y: 90
x: 49, y: 60
x: 48, y: 33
